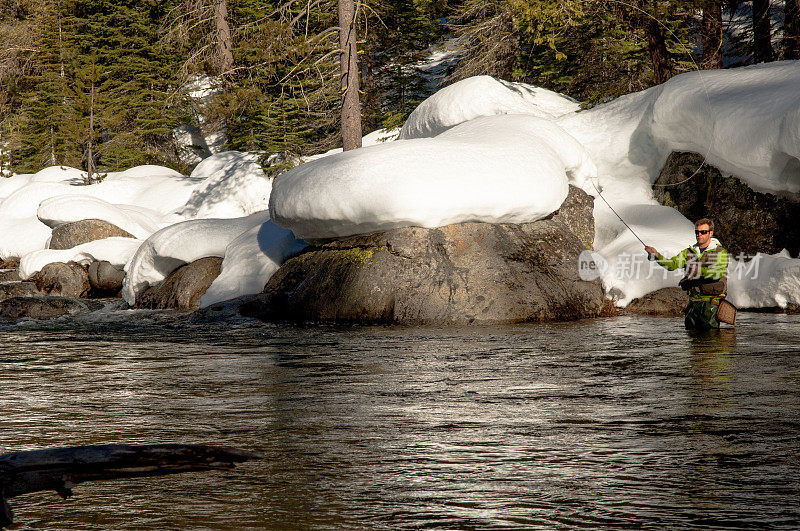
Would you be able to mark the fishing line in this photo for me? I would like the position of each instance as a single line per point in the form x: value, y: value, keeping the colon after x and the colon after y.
x: 615, y: 212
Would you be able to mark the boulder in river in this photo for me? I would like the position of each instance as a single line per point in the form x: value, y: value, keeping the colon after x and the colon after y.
x: 182, y: 288
x: 461, y: 273
x: 65, y: 279
x: 44, y: 307
x: 68, y: 235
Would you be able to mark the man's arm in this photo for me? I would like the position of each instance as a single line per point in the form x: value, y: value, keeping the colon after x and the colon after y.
x: 671, y: 264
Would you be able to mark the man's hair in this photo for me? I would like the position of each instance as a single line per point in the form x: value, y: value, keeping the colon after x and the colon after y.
x: 704, y: 221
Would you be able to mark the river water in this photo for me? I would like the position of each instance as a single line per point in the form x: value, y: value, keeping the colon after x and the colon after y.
x: 622, y: 422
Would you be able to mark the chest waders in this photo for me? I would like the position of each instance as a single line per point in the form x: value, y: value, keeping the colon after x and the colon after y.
x: 701, y: 312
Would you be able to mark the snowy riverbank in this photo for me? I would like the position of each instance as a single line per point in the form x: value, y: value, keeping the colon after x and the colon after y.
x: 481, y: 150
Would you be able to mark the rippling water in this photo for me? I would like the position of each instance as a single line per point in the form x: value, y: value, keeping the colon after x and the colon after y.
x: 616, y: 422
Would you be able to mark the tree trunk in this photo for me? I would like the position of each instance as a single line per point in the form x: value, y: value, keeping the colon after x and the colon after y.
x: 791, y: 30
x: 224, y: 40
x: 762, y: 33
x: 351, y: 108
x: 711, y: 34
x: 90, y: 154
x: 659, y: 55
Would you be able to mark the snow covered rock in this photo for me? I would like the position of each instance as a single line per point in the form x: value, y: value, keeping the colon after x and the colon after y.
x: 179, y: 244
x: 495, y: 169
x: 182, y: 288
x: 482, y: 96
x: 115, y: 250
x: 139, y: 222
x: 461, y: 273
x: 745, y: 121
x: 70, y: 235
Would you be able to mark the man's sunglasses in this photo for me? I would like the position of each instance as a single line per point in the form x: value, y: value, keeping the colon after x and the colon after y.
x: 702, y: 231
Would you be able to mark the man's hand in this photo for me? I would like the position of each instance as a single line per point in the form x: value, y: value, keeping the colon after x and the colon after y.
x: 652, y: 252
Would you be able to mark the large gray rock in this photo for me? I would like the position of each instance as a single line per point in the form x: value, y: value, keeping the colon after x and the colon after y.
x: 69, y: 235
x: 18, y: 289
x: 182, y: 288
x: 43, y: 307
x: 745, y: 221
x: 105, y: 278
x: 665, y: 302
x: 64, y: 279
x: 462, y: 273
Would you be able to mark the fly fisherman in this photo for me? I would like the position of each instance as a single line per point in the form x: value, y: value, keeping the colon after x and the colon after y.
x: 706, y: 265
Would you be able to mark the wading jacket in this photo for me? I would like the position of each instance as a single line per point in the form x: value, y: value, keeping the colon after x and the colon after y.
x: 713, y: 279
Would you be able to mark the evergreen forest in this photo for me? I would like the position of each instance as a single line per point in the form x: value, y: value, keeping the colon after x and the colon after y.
x: 103, y: 85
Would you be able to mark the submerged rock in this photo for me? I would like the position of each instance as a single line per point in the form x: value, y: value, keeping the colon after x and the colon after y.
x: 745, y: 221
x: 69, y: 235
x: 462, y: 273
x: 18, y: 289
x: 182, y: 288
x: 65, y: 279
x: 44, y: 307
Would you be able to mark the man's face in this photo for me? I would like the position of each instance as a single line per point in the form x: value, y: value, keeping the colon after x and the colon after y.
x: 703, y: 234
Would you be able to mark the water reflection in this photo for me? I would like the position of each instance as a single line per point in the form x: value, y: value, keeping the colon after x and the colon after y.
x: 595, y: 424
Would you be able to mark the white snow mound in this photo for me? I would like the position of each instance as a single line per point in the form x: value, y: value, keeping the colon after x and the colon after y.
x: 115, y: 250
x: 482, y: 96
x: 496, y: 169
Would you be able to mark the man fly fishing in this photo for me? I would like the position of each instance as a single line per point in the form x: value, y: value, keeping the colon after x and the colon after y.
x: 706, y: 280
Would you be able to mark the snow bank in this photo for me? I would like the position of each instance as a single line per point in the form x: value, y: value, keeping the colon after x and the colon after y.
x: 497, y: 169
x: 179, y: 244
x: 479, y: 150
x: 482, y: 96
x: 250, y: 260
x: 233, y: 185
x: 154, y: 187
x: 766, y: 281
x: 117, y: 251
